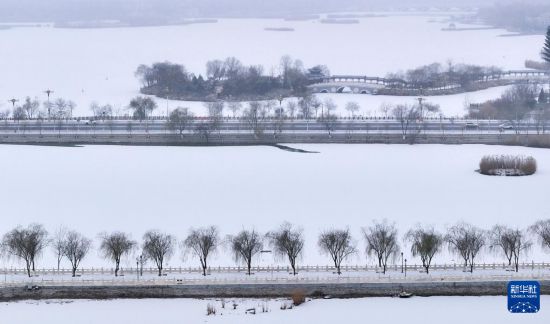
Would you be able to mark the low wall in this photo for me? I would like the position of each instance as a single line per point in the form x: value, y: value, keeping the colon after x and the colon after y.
x: 338, y: 290
x: 290, y: 138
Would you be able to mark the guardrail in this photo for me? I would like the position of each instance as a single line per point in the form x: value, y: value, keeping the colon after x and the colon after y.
x: 276, y: 269
x: 274, y: 280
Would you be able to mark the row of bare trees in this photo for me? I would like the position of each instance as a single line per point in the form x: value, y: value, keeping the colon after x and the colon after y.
x: 287, y: 242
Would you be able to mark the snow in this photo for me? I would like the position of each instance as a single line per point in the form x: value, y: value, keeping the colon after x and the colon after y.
x: 87, y: 65
x: 104, y: 188
x: 449, y: 310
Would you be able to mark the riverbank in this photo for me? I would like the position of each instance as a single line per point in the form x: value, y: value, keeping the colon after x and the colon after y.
x: 249, y: 139
x: 261, y: 290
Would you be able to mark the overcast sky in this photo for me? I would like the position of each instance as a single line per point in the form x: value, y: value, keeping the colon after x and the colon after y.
x: 66, y: 10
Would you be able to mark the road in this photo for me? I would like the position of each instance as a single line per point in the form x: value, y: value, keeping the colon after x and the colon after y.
x: 370, y: 126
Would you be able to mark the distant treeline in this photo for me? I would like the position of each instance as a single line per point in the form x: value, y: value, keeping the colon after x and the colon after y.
x: 228, y: 79
x: 519, y: 16
x: 435, y: 76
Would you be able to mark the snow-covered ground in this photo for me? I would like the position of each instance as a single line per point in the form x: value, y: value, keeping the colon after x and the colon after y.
x: 104, y: 188
x: 449, y: 310
x: 87, y: 65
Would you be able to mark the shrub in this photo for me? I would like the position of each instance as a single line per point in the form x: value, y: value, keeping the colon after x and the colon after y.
x: 298, y: 297
x: 210, y: 309
x: 507, y: 165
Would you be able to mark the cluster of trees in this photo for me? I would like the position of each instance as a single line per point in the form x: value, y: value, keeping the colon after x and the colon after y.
x: 410, y: 116
x: 287, y: 242
x: 227, y: 79
x: 521, y: 104
x: 255, y: 114
x: 32, y: 108
x: 437, y: 76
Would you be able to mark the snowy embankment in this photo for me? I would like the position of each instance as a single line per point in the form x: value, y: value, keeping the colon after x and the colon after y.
x: 99, y: 64
x: 135, y: 189
x: 449, y: 310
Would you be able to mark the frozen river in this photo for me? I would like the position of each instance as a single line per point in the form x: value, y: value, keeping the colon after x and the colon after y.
x: 448, y: 310
x: 135, y: 189
x: 87, y: 65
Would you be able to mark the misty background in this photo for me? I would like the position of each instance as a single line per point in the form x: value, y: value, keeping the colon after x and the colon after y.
x: 172, y: 11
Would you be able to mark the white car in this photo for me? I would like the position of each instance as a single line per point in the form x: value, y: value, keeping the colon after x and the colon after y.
x: 506, y: 126
x: 471, y: 125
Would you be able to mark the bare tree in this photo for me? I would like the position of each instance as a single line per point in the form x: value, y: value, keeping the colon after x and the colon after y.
x: 215, y: 108
x: 521, y: 246
x: 542, y: 229
x: 338, y: 244
x: 179, y: 119
x: 511, y: 242
x: 245, y: 245
x: 61, y: 108
x: 254, y: 118
x: 287, y: 242
x: 381, y: 241
x: 31, y: 107
x: 101, y: 111
x: 114, y: 246
x: 352, y: 107
x: 26, y: 244
x: 291, y: 108
x: 75, y: 248
x: 235, y: 107
x: 385, y: 108
x: 466, y: 241
x: 202, y: 243
x: 142, y: 107
x: 426, y: 243
x: 158, y: 247
x: 407, y: 117
x: 502, y: 238
x: 57, y: 244
x: 215, y: 70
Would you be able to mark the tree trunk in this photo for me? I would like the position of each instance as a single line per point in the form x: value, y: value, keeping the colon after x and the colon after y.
x: 116, y: 268
x: 74, y: 272
x: 160, y: 271
x: 28, y: 269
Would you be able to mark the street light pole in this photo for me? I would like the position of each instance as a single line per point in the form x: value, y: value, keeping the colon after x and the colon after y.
x: 48, y: 92
x: 401, y: 262
x: 405, y: 268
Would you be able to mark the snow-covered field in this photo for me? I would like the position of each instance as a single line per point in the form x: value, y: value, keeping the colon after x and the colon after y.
x: 87, y: 65
x: 134, y: 189
x: 449, y: 310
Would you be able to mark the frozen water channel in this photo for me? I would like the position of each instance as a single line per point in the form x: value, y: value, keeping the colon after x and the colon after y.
x: 448, y: 310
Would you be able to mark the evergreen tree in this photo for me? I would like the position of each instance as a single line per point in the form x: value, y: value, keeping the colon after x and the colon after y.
x: 546, y: 49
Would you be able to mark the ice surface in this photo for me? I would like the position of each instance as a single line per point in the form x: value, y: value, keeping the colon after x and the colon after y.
x: 449, y: 310
x: 134, y: 189
x: 87, y: 65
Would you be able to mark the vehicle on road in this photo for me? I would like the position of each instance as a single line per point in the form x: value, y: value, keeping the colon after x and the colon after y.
x: 505, y: 126
x: 471, y: 125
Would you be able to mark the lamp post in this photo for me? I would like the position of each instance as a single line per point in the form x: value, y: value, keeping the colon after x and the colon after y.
x: 48, y: 92
x: 139, y: 266
x: 13, y: 101
x: 401, y: 262
x: 405, y: 268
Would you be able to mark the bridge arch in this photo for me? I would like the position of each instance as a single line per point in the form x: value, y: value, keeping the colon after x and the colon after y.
x: 344, y: 89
